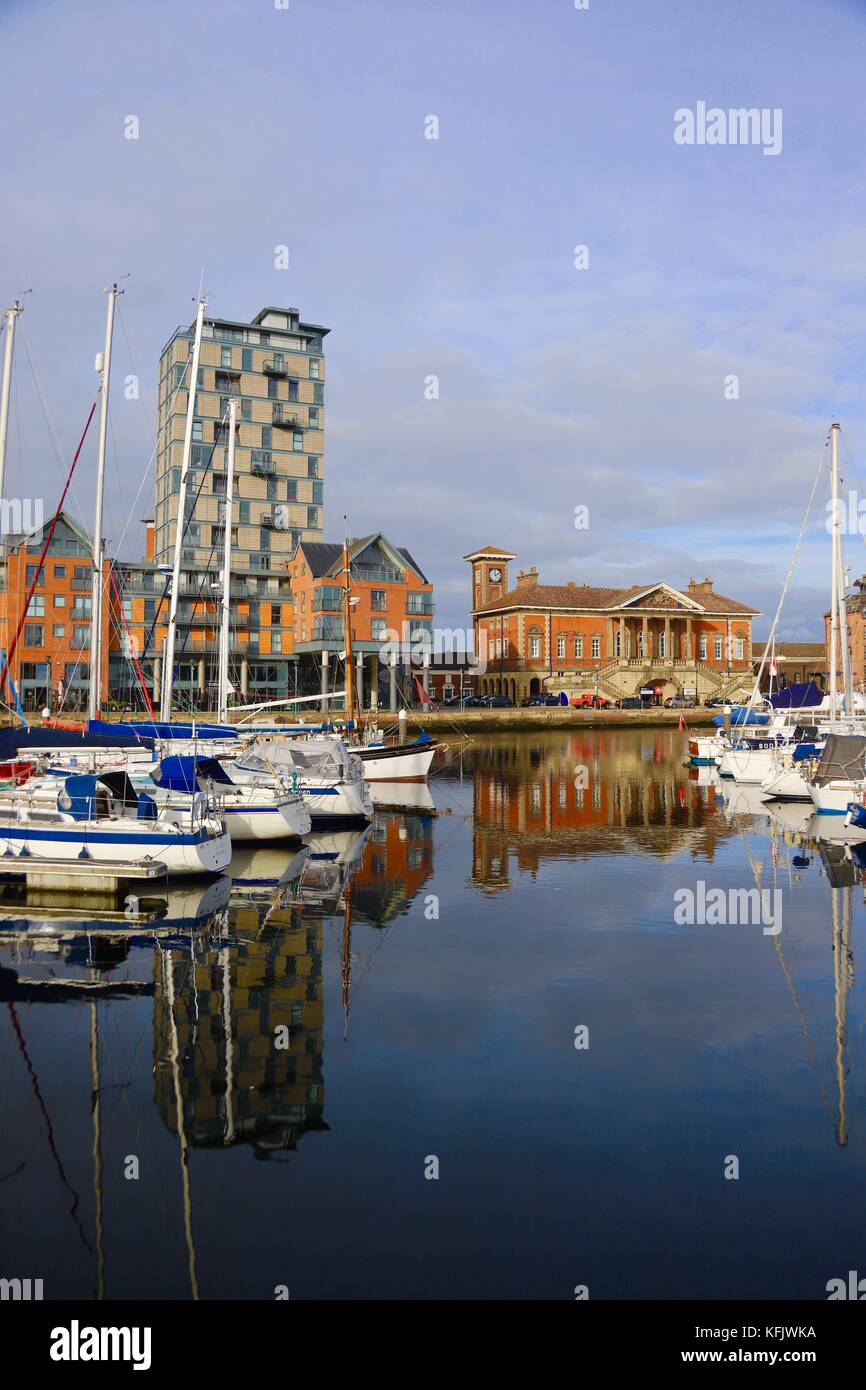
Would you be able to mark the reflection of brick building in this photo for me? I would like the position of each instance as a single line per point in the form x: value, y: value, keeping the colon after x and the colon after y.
x: 398, y: 860
x: 558, y: 799
x: 581, y: 637
x: 237, y: 1085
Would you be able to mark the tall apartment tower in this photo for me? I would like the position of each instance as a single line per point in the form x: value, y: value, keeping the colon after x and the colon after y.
x: 275, y: 367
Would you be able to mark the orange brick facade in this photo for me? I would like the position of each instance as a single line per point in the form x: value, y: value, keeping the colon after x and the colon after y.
x: 536, y: 637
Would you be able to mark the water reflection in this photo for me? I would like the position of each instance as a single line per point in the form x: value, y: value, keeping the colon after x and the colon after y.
x: 277, y: 1014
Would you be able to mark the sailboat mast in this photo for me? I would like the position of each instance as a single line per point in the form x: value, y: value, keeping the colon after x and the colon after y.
x: 347, y: 624
x: 845, y: 653
x: 103, y: 366
x: 223, y: 682
x: 192, y: 385
x: 834, y: 579
x: 11, y: 316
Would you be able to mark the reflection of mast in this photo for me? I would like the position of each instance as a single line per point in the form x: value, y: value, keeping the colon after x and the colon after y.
x: 227, y: 1030
x: 19, y: 1036
x: 168, y: 967
x: 347, y: 954
x: 97, y: 1151
x: 841, y: 978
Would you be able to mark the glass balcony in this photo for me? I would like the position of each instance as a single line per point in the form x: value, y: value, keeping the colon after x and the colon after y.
x: 381, y: 572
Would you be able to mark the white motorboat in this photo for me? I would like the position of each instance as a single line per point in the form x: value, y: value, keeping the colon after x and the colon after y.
x: 706, y: 749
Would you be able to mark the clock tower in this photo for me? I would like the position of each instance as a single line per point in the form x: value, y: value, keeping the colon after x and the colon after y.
x: 489, y: 567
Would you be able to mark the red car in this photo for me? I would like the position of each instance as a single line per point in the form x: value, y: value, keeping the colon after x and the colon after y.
x: 590, y: 702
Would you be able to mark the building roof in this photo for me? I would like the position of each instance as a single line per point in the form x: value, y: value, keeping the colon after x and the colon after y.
x: 697, y: 598
x: 12, y: 542
x: 498, y: 552
x: 326, y: 557
x: 291, y: 313
x: 792, y: 651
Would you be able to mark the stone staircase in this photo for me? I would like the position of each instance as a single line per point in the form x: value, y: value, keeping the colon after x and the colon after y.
x: 618, y: 679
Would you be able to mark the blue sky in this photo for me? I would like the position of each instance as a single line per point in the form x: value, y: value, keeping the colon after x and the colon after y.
x: 455, y: 257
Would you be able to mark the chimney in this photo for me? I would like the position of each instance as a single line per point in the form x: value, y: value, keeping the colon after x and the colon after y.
x: 708, y: 583
x: 692, y: 585
x: 525, y: 580
x: 571, y: 584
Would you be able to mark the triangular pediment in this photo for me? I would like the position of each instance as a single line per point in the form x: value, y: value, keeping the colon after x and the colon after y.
x: 661, y: 596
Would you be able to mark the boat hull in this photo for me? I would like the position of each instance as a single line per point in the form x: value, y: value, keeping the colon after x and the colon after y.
x: 285, y: 820
x: 346, y: 801
x: 183, y: 854
x: 396, y: 764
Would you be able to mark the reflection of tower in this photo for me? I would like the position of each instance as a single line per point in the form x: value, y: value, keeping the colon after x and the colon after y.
x: 249, y: 1024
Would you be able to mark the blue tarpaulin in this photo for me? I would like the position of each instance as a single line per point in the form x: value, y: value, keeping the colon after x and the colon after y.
x: 804, y: 696
x: 146, y: 728
x: 181, y: 774
x: 742, y: 714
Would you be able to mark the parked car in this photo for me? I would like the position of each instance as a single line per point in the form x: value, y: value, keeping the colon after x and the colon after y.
x: 535, y: 701
x: 587, y: 701
x: 494, y: 702
x: 630, y: 702
x: 679, y: 702
x: 715, y: 702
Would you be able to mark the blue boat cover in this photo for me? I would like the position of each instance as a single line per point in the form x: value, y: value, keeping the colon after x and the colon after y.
x: 79, y: 796
x: 181, y: 774
x: 803, y: 696
x: 742, y: 714
x: 146, y: 728
x: 15, y: 741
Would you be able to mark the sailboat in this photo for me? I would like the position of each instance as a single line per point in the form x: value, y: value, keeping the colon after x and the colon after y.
x: 100, y: 818
x: 839, y: 775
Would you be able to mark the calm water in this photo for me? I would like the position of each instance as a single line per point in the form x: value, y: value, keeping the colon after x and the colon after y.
x: 426, y: 979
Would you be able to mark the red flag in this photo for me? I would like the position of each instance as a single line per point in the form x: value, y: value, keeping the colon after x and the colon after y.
x: 422, y: 693
x: 680, y: 724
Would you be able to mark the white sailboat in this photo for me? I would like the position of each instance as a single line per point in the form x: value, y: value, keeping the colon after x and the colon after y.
x: 838, y: 778
x: 101, y: 818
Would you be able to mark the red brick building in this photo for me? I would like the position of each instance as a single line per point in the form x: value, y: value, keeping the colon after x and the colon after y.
x: 533, y: 637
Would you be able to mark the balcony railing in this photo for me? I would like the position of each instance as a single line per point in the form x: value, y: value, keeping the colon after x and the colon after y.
x: 425, y: 608
x: 276, y: 367
x: 262, y: 463
x: 381, y: 572
x: 284, y: 418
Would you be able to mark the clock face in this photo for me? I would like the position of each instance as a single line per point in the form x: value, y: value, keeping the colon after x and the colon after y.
x: 495, y: 576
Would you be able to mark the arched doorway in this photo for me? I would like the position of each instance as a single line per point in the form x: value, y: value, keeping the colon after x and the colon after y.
x: 535, y: 686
